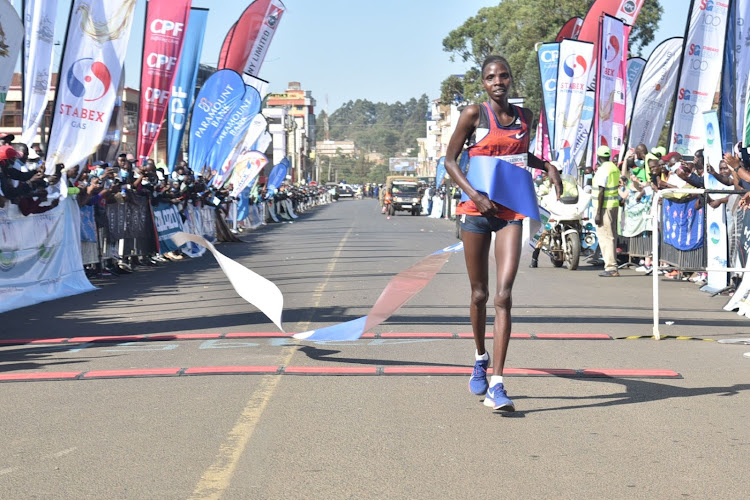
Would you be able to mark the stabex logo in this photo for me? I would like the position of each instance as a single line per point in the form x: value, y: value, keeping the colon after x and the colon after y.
x: 575, y: 66
x: 612, y: 49
x: 88, y: 79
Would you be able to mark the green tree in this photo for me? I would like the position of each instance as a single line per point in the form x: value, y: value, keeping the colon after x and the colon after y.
x: 512, y: 29
x: 386, y: 129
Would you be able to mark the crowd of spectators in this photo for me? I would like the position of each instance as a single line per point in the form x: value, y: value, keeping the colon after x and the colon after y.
x: 645, y: 172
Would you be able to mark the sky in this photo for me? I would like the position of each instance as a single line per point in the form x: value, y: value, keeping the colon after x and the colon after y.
x: 341, y: 50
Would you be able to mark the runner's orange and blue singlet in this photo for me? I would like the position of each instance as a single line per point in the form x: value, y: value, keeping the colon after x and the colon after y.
x: 494, y: 139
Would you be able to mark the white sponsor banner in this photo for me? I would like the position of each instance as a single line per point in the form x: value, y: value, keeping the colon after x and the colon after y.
x: 635, y: 72
x: 716, y: 222
x: 10, y: 46
x: 39, y: 23
x: 583, y: 134
x: 40, y: 256
x: 654, y: 93
x: 91, y: 66
x: 572, y: 78
x: 702, y: 59
x: 263, y: 142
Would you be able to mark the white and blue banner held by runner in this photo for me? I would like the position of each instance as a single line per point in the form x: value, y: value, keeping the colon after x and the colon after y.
x: 505, y: 180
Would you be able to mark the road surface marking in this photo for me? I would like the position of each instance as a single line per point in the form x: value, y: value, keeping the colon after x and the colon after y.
x: 217, y: 478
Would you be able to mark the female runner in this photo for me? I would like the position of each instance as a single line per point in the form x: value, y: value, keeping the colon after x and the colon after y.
x: 494, y: 128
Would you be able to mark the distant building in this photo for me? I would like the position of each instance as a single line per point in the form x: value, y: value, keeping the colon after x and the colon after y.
x: 296, y: 129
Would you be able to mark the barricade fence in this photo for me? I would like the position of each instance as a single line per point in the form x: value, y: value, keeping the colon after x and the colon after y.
x: 43, y: 256
x: 692, y: 235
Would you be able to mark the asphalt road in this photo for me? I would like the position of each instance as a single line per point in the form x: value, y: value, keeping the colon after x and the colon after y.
x: 153, y: 417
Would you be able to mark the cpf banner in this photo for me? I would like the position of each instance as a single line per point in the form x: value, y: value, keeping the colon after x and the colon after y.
x: 166, y: 21
x: 183, y: 88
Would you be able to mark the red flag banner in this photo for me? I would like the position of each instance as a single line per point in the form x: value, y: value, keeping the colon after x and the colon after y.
x: 570, y: 29
x: 247, y: 42
x: 625, y: 10
x: 163, y: 37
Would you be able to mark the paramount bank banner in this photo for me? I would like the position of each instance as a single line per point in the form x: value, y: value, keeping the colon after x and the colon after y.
x: 167, y: 221
x: 40, y: 256
x: 549, y: 57
x: 91, y: 65
x: 654, y: 93
x: 258, y: 125
x: 218, y: 97
x: 12, y: 39
x: 247, y: 41
x: 162, y: 45
x: 572, y: 80
x: 234, y: 128
x: 703, y: 53
x: 609, y: 120
x: 39, y: 22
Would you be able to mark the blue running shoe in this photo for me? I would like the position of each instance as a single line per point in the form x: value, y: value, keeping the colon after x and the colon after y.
x: 478, y: 383
x: 498, y: 399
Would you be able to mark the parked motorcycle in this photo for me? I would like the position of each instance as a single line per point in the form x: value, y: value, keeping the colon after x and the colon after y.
x: 564, y: 232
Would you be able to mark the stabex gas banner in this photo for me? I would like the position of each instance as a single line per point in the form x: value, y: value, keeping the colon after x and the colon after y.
x: 609, y: 113
x: 166, y: 21
x: 91, y: 66
x: 572, y: 80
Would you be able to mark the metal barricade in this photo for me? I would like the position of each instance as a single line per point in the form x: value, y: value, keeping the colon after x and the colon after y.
x: 655, y: 229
